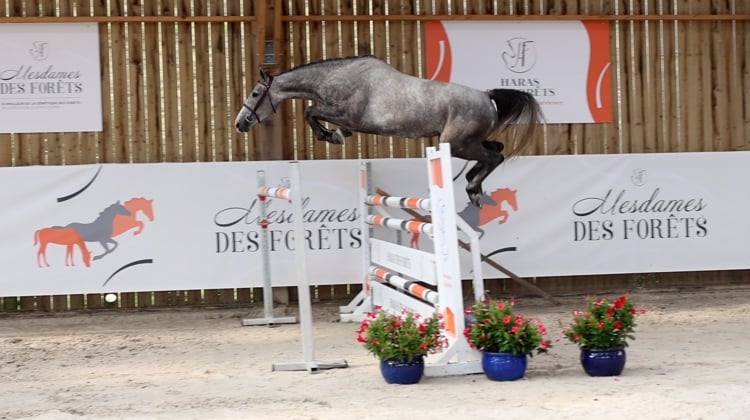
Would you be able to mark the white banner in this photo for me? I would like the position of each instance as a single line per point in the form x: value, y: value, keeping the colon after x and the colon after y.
x: 49, y: 78
x: 204, y: 232
x: 195, y: 225
x: 605, y: 214
x: 564, y: 64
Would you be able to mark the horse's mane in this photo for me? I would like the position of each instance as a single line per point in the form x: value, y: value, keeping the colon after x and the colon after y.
x: 330, y: 61
x: 111, y: 206
x: 134, y: 199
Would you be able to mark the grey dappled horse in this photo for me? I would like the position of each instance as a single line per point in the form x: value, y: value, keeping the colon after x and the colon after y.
x: 366, y: 95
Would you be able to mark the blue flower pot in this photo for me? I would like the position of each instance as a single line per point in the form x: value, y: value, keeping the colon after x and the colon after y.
x: 603, y: 362
x: 503, y: 366
x: 402, y: 372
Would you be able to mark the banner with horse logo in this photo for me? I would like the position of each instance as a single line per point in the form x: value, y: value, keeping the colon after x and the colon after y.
x: 144, y: 227
x: 599, y: 214
x: 564, y: 64
x: 181, y: 226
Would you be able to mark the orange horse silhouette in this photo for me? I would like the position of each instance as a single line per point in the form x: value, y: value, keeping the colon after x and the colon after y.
x: 492, y: 208
x: 123, y: 223
x: 63, y: 236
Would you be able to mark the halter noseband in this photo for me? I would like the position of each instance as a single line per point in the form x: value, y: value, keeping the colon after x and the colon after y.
x: 263, y: 95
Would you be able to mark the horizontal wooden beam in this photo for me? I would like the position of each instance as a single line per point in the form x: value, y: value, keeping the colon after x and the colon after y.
x: 365, y: 18
x: 125, y: 19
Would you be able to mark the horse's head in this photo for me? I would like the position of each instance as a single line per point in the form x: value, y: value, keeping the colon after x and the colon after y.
x: 258, y: 106
x: 506, y: 194
x: 86, y: 256
x: 496, y: 210
x: 143, y: 204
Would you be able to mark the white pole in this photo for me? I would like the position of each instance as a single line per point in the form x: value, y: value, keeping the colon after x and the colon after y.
x: 303, y: 287
x: 268, y: 317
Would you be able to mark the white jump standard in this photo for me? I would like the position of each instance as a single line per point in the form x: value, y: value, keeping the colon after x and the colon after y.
x: 263, y: 193
x: 399, y: 277
x: 293, y: 194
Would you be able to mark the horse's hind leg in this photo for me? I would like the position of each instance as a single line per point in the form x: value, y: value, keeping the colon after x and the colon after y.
x: 488, y: 156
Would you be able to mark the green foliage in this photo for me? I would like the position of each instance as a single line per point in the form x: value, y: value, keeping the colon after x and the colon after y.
x: 400, y: 337
x: 497, y: 329
x: 604, y: 324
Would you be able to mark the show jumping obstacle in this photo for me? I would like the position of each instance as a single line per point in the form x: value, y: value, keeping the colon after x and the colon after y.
x: 402, y: 278
x: 293, y: 194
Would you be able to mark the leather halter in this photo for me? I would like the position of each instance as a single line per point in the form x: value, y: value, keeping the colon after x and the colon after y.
x: 263, y: 95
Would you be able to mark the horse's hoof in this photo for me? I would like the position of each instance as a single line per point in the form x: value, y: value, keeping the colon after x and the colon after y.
x: 337, y: 137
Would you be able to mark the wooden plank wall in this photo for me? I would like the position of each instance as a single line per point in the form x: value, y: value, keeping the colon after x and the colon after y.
x: 174, y: 73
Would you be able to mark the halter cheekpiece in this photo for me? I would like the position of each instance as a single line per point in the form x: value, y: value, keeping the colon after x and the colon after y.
x: 263, y: 95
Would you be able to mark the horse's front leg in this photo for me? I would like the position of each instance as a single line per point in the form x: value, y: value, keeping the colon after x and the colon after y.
x: 312, y: 116
x: 43, y: 254
x: 107, y: 250
x: 315, y: 114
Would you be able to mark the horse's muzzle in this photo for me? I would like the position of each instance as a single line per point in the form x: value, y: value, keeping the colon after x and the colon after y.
x: 243, y: 123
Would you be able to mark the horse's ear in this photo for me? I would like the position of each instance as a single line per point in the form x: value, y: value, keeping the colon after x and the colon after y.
x: 265, y: 76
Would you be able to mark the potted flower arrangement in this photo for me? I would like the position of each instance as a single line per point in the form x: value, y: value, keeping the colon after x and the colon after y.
x: 505, y: 338
x: 602, y: 332
x: 401, y: 341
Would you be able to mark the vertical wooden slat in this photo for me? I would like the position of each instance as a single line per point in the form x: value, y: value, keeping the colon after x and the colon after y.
x: 193, y: 297
x: 200, y: 87
x: 721, y: 62
x: 127, y: 300
x: 44, y: 303
x: 77, y: 302
x: 10, y: 304
x: 26, y: 303
x: 60, y: 303
x: 94, y: 301
x: 145, y: 299
x: 649, y: 93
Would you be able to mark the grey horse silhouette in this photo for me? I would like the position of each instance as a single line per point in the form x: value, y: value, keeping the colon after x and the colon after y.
x: 100, y: 230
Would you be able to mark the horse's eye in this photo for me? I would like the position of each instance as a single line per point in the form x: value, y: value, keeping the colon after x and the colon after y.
x: 255, y: 94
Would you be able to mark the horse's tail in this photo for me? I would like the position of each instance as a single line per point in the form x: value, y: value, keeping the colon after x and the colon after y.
x: 520, y: 112
x: 36, y: 236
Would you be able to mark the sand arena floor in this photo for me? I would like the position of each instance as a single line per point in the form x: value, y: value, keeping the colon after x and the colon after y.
x: 690, y: 361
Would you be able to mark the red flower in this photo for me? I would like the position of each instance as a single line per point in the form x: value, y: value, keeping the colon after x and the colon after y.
x: 506, y: 319
x: 620, y: 302
x: 618, y: 324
